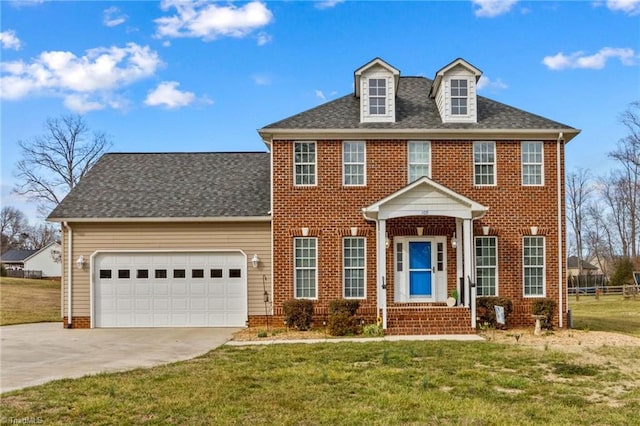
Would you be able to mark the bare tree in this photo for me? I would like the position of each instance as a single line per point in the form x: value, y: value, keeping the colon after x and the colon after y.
x: 578, y: 193
x: 627, y: 154
x: 13, y: 226
x: 41, y: 235
x: 53, y: 163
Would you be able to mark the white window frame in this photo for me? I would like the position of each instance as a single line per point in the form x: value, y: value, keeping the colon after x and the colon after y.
x: 410, y: 163
x: 378, y: 96
x: 346, y: 163
x: 481, y: 163
x: 529, y: 163
x: 542, y: 268
x: 458, y: 96
x: 297, y: 269
x: 313, y: 163
x: 487, y: 267
x: 363, y: 268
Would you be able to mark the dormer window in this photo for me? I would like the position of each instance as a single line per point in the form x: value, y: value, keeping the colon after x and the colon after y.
x: 376, y: 84
x: 377, y: 96
x: 459, y: 94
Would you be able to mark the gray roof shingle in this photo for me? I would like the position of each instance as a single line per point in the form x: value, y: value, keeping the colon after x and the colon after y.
x: 171, y: 185
x: 414, y: 110
x: 16, y: 255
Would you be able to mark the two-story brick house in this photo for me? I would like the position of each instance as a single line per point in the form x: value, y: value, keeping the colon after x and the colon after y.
x: 409, y: 189
x: 400, y: 195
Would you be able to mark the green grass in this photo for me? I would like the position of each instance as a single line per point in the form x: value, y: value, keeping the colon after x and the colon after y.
x: 610, y: 313
x: 26, y: 300
x: 473, y: 383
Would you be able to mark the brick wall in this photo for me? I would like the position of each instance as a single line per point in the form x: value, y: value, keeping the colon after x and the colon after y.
x: 329, y: 210
x: 78, y: 322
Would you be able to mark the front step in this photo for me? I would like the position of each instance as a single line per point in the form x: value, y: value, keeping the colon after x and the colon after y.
x: 429, y: 320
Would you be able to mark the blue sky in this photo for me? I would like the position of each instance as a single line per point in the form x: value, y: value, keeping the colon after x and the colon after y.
x: 200, y: 76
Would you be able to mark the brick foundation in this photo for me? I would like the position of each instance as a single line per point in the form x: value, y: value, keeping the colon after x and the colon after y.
x: 78, y: 322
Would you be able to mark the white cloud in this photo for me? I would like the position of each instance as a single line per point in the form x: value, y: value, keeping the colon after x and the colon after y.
x: 79, y: 80
x: 261, y: 79
x: 320, y: 95
x: 561, y: 61
x: 9, y: 40
x: 167, y: 94
x: 201, y: 19
x: 113, y: 17
x: 492, y: 8
x: 263, y: 38
x: 328, y: 4
x: 631, y: 7
x: 25, y: 3
x: 486, y: 83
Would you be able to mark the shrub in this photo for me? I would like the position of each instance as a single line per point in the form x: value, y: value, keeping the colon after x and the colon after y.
x: 373, y: 330
x: 298, y: 313
x: 342, y: 319
x: 623, y: 272
x: 544, y: 307
x: 3, y: 271
x: 486, y: 312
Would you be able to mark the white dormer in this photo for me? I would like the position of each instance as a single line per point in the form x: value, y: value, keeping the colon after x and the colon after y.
x: 376, y: 84
x: 454, y: 89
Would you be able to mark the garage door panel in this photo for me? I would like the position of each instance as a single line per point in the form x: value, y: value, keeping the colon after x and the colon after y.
x: 179, y: 289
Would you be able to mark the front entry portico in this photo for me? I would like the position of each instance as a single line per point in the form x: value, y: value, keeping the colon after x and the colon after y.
x: 420, y: 273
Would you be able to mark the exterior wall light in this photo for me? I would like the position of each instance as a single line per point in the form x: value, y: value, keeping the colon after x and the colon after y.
x: 80, y: 262
x: 255, y: 260
x: 454, y: 241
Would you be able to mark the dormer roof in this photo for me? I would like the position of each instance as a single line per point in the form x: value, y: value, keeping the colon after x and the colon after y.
x: 371, y: 64
x: 442, y: 71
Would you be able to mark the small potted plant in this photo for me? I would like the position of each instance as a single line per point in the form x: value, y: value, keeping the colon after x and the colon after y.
x: 453, y: 300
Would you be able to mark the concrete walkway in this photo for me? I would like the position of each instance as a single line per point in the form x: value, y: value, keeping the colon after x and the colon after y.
x: 32, y: 354
x: 432, y: 337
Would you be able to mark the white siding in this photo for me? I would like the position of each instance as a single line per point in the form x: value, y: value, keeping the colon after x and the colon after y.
x: 424, y: 201
x: 44, y: 261
x: 377, y: 71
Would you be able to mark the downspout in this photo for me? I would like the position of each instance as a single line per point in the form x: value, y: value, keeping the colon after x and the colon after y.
x: 69, y: 272
x: 560, y: 248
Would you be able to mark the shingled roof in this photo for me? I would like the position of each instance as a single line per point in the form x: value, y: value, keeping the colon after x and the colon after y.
x: 171, y: 185
x: 16, y: 255
x: 414, y: 110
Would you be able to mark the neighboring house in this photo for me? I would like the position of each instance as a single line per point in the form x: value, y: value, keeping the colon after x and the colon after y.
x: 46, y: 260
x: 574, y: 270
x: 396, y: 195
x: 14, y: 258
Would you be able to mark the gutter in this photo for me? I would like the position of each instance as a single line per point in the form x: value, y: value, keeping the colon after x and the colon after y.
x: 560, y: 140
x: 69, y: 273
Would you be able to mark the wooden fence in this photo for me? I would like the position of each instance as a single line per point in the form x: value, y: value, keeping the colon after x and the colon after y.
x: 23, y: 273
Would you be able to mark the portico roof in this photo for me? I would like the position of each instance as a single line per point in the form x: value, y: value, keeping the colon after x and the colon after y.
x: 425, y: 197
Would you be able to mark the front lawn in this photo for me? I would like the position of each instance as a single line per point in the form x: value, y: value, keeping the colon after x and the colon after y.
x: 610, y: 313
x: 26, y: 300
x: 473, y: 383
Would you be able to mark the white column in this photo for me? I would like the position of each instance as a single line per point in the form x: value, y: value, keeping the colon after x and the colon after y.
x: 470, y: 295
x: 459, y: 265
x: 381, y: 261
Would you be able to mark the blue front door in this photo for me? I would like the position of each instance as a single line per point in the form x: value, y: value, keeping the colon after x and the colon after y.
x: 420, y: 269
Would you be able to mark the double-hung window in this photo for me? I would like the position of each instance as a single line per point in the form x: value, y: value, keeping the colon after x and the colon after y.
x: 487, y: 266
x: 419, y: 159
x: 353, y: 260
x: 304, y: 163
x: 377, y: 96
x: 533, y: 265
x: 532, y: 171
x: 484, y: 163
x: 354, y: 163
x: 459, y: 97
x: 306, y: 268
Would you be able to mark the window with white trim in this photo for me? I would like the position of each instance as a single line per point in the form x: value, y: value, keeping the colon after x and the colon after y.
x: 533, y: 265
x: 377, y: 96
x: 305, y: 267
x: 304, y: 163
x: 459, y: 97
x: 353, y: 260
x: 354, y: 163
x: 532, y: 171
x: 419, y: 159
x: 487, y: 266
x: 484, y: 163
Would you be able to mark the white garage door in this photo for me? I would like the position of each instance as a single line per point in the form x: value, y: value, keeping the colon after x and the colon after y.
x: 177, y: 289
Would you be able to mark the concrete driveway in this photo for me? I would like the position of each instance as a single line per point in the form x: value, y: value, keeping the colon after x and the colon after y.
x: 32, y: 354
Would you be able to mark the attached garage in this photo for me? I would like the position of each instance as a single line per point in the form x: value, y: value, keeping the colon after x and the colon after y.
x: 170, y: 289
